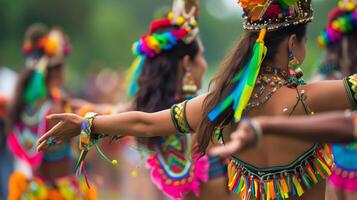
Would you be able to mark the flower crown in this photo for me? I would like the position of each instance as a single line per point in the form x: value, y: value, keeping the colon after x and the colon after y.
x: 48, y: 45
x: 342, y: 21
x: 275, y: 14
x: 153, y: 43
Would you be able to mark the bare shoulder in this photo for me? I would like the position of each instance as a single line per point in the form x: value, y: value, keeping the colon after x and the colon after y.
x: 194, y: 110
x: 325, y: 96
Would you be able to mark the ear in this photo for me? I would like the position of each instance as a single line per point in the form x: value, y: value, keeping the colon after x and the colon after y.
x: 292, y: 42
x: 186, y: 62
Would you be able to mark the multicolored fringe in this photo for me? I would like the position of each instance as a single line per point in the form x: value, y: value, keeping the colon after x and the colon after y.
x: 284, y: 183
x: 245, y: 79
x: 175, y: 171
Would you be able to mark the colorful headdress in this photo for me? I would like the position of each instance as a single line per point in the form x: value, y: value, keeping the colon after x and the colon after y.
x: 152, y: 43
x: 260, y: 15
x: 42, y: 47
x: 342, y: 21
x: 275, y: 14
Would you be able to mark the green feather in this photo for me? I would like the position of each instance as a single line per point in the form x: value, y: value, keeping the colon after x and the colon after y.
x: 36, y: 89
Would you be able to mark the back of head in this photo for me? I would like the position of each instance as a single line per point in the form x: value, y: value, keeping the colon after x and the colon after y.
x: 277, y: 21
x: 339, y: 42
x: 158, y: 55
x: 45, y: 51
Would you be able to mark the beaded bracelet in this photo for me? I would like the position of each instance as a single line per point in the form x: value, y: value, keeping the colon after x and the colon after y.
x: 88, y: 140
x: 178, y: 115
x: 350, y: 84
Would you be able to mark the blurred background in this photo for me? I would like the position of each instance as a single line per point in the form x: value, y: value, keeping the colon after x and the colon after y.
x: 102, y: 31
x: 101, y: 34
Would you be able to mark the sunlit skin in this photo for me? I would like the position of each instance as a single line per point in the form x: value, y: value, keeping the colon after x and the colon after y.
x: 268, y: 153
x: 334, y: 127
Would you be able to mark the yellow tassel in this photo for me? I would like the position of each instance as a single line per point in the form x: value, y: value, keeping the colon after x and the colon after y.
x: 255, y: 188
x: 267, y: 191
x: 298, y: 187
x: 262, y: 34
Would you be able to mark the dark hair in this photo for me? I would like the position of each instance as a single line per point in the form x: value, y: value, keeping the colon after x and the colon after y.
x: 33, y: 34
x: 158, y: 82
x: 221, y: 85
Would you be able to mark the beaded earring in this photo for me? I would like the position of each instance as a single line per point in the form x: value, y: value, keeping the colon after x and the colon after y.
x: 295, y: 71
x: 189, y: 88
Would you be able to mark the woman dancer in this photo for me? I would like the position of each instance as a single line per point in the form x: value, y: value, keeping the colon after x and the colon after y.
x: 339, y: 40
x: 165, y: 74
x: 38, y: 93
x: 260, y: 77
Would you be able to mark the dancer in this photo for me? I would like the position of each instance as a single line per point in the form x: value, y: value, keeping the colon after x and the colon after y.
x: 42, y: 175
x: 165, y: 74
x: 339, y: 41
x: 260, y: 77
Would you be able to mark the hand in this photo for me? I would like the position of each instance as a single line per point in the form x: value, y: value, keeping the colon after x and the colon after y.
x: 69, y: 126
x: 241, y: 139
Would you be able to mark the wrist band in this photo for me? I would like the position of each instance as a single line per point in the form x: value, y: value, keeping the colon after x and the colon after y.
x: 87, y: 140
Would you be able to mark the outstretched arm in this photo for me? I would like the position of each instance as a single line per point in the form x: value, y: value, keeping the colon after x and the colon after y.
x: 335, y: 127
x: 133, y: 123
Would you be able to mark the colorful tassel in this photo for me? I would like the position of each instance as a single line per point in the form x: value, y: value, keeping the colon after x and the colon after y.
x: 37, y: 89
x: 297, y: 185
x: 133, y: 75
x: 240, y: 95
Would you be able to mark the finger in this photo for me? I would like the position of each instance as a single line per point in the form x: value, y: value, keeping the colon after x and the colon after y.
x: 60, y: 117
x: 42, y: 146
x: 225, y: 150
x: 50, y: 133
x: 235, y: 135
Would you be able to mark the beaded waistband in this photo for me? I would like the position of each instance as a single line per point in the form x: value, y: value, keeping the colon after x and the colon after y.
x: 280, y: 182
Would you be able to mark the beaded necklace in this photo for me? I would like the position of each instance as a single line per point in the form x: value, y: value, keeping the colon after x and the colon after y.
x: 274, y: 78
x: 269, y: 77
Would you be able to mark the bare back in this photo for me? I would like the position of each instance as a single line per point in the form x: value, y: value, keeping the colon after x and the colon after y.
x: 275, y: 151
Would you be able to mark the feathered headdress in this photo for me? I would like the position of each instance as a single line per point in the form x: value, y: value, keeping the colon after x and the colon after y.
x: 184, y: 16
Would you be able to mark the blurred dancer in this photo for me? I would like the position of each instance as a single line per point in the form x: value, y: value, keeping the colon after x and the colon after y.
x: 42, y: 175
x: 339, y: 41
x: 168, y: 69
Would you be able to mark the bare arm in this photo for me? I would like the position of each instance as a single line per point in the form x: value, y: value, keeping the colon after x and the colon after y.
x: 132, y: 123
x: 334, y: 127
x: 324, y: 128
x: 327, y: 96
